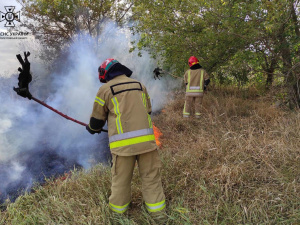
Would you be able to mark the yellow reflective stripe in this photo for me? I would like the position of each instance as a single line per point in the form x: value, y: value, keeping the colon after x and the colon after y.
x: 145, y: 104
x: 132, y: 141
x: 119, y: 209
x: 144, y: 100
x: 149, y: 120
x: 99, y: 101
x: 156, y: 207
x: 130, y: 134
x: 201, y: 81
x: 117, y: 112
x: 189, y: 81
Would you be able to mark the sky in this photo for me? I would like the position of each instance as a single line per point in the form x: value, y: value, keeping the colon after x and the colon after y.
x: 9, y: 47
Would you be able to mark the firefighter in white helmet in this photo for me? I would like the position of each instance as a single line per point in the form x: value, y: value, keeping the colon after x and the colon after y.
x: 125, y: 104
x: 196, y: 79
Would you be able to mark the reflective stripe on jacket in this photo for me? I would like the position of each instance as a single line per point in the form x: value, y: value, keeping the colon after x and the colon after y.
x: 125, y: 104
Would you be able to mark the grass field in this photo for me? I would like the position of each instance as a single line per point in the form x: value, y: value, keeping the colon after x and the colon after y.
x: 238, y: 164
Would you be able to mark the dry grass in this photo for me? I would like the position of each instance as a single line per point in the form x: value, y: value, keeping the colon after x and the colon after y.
x: 239, y: 164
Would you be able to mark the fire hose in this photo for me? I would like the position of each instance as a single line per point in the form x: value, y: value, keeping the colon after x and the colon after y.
x: 23, y: 90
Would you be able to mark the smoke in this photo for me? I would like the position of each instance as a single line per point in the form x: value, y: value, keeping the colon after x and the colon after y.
x: 35, y: 142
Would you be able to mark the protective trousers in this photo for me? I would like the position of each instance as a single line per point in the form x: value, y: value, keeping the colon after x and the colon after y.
x: 149, y: 165
x: 190, y: 103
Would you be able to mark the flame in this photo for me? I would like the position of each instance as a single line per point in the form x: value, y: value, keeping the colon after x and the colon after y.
x: 157, y: 134
x: 65, y: 176
x: 61, y: 178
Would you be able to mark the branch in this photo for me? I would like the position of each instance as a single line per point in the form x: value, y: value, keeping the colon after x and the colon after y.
x: 125, y: 13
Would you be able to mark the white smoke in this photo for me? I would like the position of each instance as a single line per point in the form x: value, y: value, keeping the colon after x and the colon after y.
x: 29, y: 128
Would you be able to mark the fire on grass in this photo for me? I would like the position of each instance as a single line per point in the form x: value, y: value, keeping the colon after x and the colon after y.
x: 157, y: 134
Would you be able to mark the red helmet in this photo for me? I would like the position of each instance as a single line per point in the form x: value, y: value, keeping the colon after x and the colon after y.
x: 193, y: 60
x: 104, y: 68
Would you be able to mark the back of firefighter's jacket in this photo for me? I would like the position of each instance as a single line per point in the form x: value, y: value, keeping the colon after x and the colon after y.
x: 125, y: 104
x: 195, y: 81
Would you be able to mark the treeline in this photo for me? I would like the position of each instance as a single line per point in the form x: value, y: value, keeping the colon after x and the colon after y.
x: 240, y: 42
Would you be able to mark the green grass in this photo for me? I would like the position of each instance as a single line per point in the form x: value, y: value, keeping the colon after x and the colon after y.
x: 239, y: 164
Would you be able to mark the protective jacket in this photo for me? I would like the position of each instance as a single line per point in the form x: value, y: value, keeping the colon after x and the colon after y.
x: 194, y: 80
x: 125, y: 104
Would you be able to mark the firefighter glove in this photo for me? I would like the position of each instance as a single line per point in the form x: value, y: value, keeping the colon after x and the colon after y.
x: 91, y: 131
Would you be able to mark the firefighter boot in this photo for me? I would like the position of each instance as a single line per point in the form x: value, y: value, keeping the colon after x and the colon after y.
x: 160, y: 217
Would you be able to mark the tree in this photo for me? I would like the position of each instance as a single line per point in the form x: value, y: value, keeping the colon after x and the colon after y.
x: 214, y: 31
x: 279, y: 36
x: 55, y: 22
x: 218, y: 31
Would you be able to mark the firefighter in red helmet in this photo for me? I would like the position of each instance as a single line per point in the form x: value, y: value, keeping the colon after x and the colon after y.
x: 125, y: 104
x: 196, y: 79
